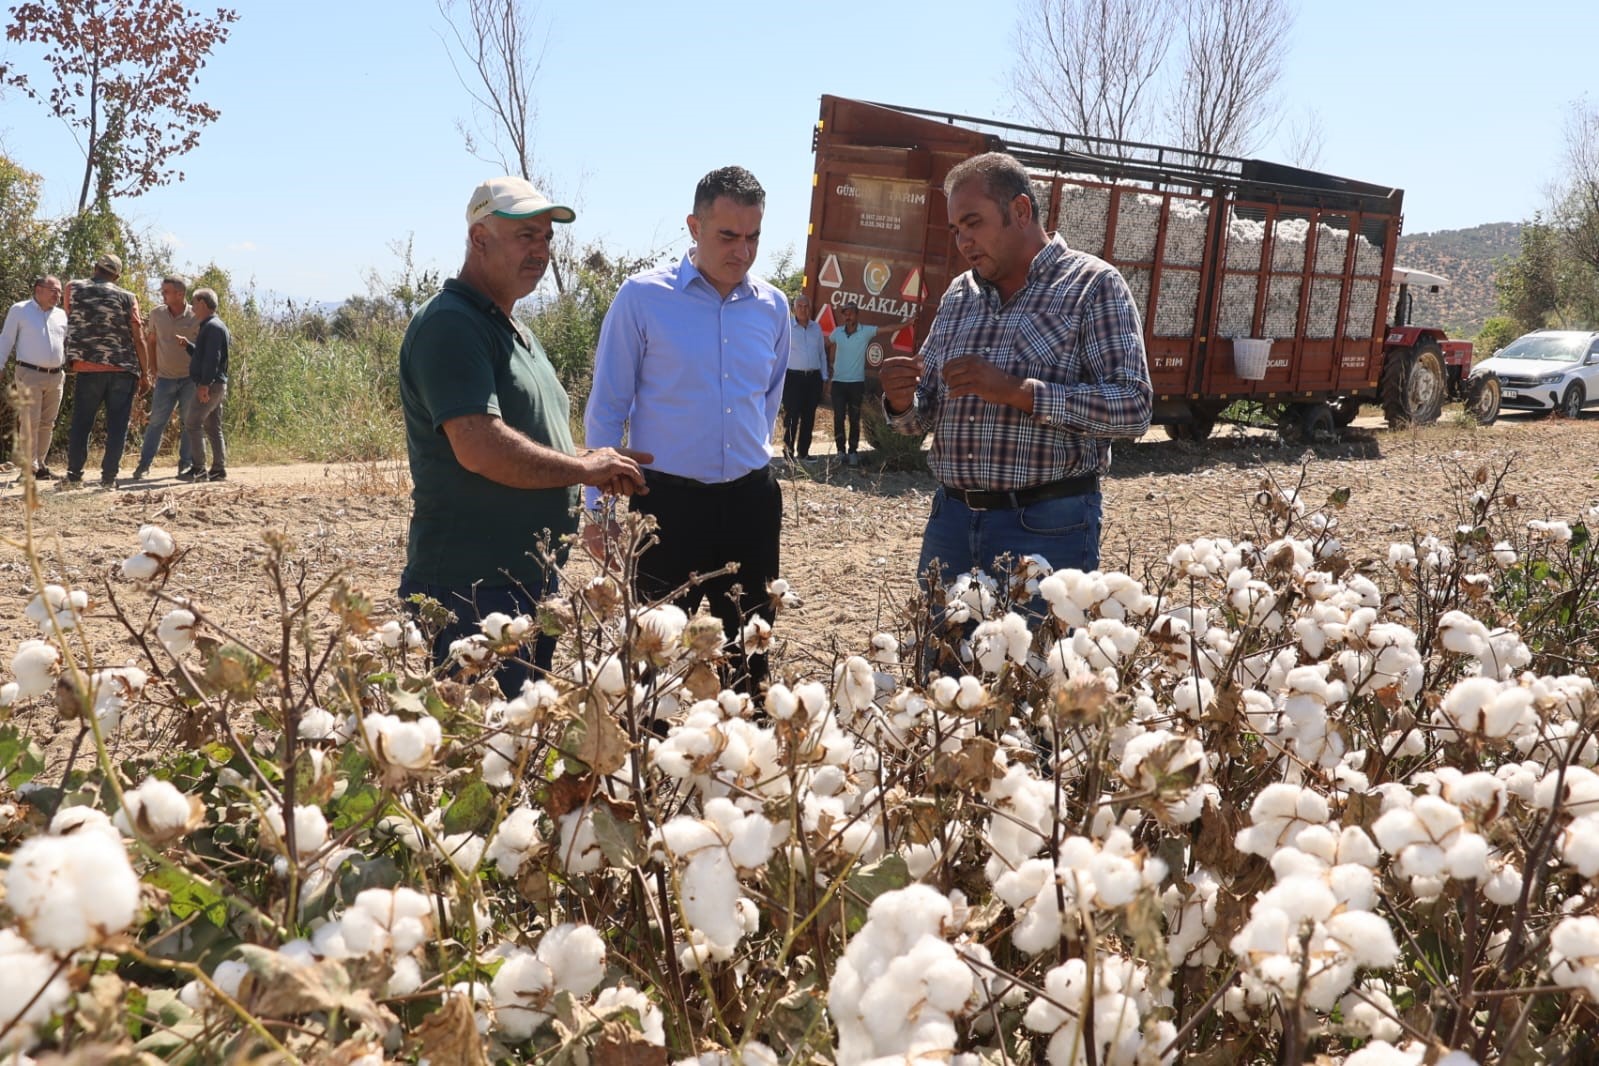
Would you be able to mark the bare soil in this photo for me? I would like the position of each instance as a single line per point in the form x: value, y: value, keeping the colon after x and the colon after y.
x: 850, y: 536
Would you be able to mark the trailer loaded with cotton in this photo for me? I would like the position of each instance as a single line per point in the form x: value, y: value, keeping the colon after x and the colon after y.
x: 1255, y: 281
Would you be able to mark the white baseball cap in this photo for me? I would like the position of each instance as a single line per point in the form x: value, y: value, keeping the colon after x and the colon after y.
x: 513, y: 197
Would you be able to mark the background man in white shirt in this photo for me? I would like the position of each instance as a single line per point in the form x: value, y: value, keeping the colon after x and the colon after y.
x: 36, y: 330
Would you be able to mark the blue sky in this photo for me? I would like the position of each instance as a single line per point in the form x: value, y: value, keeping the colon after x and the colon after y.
x: 338, y: 130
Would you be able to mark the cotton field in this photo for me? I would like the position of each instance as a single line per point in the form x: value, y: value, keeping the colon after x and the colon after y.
x: 1263, y: 803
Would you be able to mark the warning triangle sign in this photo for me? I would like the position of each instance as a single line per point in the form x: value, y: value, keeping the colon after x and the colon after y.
x: 831, y: 275
x: 912, y: 289
x: 825, y: 319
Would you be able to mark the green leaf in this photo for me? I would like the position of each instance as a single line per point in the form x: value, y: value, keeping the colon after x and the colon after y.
x: 236, y: 671
x: 620, y: 840
x: 869, y: 882
x: 354, y: 805
x: 21, y: 758
x: 189, y: 896
x: 472, y: 809
x: 357, y: 877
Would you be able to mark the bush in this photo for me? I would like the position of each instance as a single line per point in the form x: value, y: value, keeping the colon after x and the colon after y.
x: 1497, y: 332
x: 891, y: 449
x: 1257, y: 806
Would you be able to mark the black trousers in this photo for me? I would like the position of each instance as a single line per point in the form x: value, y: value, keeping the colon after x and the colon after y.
x: 704, y: 527
x: 802, y: 394
x: 847, y: 397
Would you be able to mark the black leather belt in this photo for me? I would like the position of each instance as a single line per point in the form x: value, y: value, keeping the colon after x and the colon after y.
x: 1081, y: 485
x: 40, y: 369
x: 677, y: 481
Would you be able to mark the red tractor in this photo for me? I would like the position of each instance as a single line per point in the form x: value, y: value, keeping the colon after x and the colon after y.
x: 1422, y: 367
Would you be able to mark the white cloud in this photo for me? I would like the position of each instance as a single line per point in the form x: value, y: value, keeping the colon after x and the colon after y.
x: 242, y: 246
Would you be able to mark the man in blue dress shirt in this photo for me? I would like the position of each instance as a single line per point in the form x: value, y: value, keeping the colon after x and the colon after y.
x: 690, y: 365
x: 802, y: 387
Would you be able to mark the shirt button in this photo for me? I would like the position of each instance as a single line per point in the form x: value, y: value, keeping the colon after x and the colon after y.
x: 969, y: 455
x: 971, y: 418
x: 728, y: 411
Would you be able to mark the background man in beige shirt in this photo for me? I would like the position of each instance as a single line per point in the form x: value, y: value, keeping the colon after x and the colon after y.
x: 168, y: 329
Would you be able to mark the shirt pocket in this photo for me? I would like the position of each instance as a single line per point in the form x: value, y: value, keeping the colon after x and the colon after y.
x: 1047, y: 350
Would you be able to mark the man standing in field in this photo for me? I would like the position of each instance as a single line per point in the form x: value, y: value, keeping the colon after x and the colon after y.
x: 846, y: 347
x: 1035, y: 361
x: 691, y: 363
x: 36, y: 330
x: 170, y: 328
x: 208, y: 372
x: 487, y: 431
x: 804, y: 381
x: 109, y: 360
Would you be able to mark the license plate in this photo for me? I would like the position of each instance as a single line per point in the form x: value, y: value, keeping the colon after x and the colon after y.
x: 1512, y: 393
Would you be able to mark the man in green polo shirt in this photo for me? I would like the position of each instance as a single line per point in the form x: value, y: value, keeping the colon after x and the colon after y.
x: 487, y: 423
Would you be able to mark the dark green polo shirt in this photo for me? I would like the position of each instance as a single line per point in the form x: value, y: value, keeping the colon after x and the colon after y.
x: 462, y: 356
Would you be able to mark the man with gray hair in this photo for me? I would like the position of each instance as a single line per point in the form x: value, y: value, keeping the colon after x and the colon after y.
x: 1035, y: 361
x: 109, y: 361
x: 36, y: 330
x: 802, y: 385
x: 488, y: 433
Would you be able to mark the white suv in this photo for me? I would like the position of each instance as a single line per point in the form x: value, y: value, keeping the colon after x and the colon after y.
x: 1547, y: 370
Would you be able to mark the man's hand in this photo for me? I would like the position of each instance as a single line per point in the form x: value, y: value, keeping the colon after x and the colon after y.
x: 972, y: 375
x: 598, y: 537
x: 145, y: 385
x: 615, y: 471
x: 204, y: 392
x: 899, y: 375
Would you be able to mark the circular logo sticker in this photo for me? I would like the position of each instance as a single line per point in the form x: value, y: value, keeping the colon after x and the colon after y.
x: 874, y: 354
x: 876, y: 275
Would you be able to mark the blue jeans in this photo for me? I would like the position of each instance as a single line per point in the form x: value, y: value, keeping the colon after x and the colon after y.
x: 469, y: 605
x: 170, y: 394
x: 1064, y: 531
x: 113, y: 391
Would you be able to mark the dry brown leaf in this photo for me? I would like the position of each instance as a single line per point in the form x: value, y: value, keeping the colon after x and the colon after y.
x: 449, y: 1036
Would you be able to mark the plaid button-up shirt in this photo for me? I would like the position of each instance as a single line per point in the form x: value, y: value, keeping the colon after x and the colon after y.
x: 1073, y: 333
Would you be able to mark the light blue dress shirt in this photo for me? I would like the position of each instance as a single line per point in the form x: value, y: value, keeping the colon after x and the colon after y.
x: 809, y: 347
x: 694, y: 379
x: 849, y: 352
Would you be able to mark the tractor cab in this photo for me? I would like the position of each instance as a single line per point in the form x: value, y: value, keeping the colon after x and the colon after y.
x: 1409, y: 282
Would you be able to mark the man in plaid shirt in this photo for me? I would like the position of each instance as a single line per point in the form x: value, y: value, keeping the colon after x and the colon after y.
x: 1035, y: 361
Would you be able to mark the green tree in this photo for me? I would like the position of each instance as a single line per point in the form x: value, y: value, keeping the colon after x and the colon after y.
x: 1529, y: 283
x: 1497, y: 332
x: 123, y: 79
x: 568, y: 325
x: 25, y: 243
x: 787, y: 273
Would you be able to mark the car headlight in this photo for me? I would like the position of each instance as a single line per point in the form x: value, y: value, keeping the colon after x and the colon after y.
x: 1552, y: 379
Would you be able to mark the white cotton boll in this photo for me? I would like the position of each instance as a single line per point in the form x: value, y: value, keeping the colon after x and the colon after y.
x: 176, y: 631
x: 66, y: 607
x: 310, y: 829
x: 67, y: 892
x: 579, y: 852
x: 518, y: 834
x: 1192, y: 697
x: 855, y: 685
x: 159, y: 810
x: 405, y: 977
x: 575, y: 955
x: 398, y: 743
x: 1579, y: 845
x: 1504, y: 554
x: 521, y: 989
x: 156, y: 541
x: 1555, y: 531
x: 1462, y: 634
x: 652, y: 1023
x: 34, y: 666
x: 32, y: 993
x: 502, y: 628
x: 10, y: 693
x: 1371, y: 1014
x: 1366, y: 936
x: 140, y: 567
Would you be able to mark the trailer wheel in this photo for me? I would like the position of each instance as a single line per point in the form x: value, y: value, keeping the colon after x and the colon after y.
x: 1482, y: 398
x: 1308, y: 423
x: 1197, y: 430
x: 1413, y: 385
x: 1345, y: 411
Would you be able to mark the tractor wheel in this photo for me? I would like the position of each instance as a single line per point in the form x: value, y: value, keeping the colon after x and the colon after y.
x: 1482, y: 399
x: 1346, y: 410
x: 1571, y: 403
x: 1412, y: 386
x: 1308, y: 423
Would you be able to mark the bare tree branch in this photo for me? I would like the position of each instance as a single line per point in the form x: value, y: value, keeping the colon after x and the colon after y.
x: 1085, y: 66
x: 1231, y: 65
x: 1306, y: 139
x: 1576, y: 208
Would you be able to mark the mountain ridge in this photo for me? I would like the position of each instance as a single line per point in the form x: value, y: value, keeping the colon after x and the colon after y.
x: 1470, y: 259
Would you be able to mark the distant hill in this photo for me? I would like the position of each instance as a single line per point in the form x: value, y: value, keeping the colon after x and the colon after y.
x: 1468, y: 258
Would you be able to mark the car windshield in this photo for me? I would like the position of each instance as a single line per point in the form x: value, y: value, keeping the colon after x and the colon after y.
x: 1553, y: 347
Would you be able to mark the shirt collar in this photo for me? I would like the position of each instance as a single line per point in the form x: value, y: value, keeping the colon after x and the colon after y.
x: 1042, y: 265
x: 687, y: 272
x: 480, y: 300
